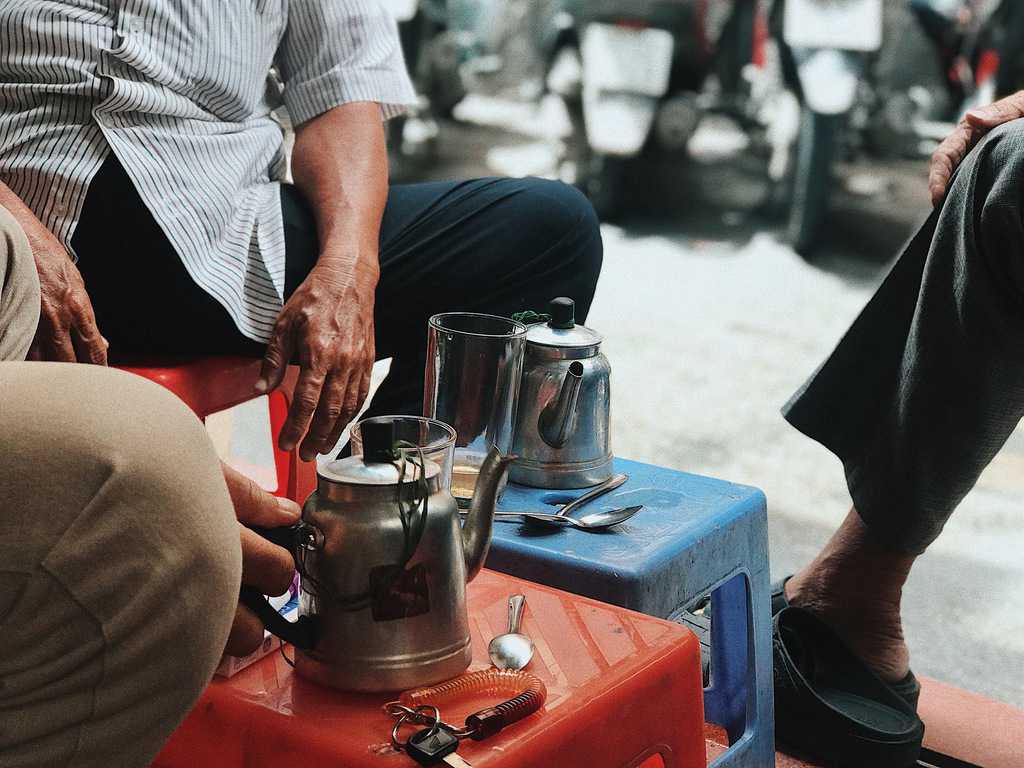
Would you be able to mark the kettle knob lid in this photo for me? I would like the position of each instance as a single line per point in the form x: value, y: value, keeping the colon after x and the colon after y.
x: 563, y: 313
x: 378, y: 441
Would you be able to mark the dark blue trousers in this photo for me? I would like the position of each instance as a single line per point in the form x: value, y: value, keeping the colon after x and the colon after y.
x: 488, y: 245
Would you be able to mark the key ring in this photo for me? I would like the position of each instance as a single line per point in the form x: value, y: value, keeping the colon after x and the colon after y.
x: 414, y: 716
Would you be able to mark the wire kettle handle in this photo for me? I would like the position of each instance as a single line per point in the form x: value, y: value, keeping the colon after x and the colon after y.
x: 303, y: 632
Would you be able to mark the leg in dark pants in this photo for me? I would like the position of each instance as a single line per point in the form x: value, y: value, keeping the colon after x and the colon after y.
x: 489, y: 245
x: 918, y: 397
x: 928, y: 383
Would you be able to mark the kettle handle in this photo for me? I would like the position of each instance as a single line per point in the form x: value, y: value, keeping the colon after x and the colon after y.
x: 303, y: 632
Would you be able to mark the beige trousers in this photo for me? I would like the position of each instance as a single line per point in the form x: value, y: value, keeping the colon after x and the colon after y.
x: 19, y: 290
x: 120, y: 559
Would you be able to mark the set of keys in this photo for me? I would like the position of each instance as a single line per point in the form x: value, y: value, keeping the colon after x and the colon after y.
x: 435, y: 746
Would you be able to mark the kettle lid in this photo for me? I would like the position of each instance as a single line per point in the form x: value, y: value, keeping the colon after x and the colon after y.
x: 381, y: 462
x: 561, y: 330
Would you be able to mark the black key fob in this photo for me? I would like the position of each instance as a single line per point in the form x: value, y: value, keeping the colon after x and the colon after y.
x: 431, y: 745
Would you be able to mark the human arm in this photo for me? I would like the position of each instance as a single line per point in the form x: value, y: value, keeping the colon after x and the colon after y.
x: 976, y: 123
x: 340, y: 164
x: 343, y: 71
x: 67, y: 324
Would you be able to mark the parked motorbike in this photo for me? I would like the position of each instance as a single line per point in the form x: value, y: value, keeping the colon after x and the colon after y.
x: 941, y: 58
x: 471, y: 46
x: 452, y: 48
x: 421, y: 24
x: 630, y: 74
x: 826, y: 49
x: 977, y: 44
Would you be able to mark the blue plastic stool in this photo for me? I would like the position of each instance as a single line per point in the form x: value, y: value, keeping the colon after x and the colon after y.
x: 695, y: 535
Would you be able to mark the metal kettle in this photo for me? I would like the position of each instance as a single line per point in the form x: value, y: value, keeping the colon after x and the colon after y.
x: 384, y: 565
x: 562, y: 426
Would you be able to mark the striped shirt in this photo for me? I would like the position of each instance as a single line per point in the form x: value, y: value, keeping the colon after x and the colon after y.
x: 179, y: 91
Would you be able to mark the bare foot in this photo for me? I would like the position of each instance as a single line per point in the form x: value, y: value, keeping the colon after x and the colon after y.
x: 855, y: 586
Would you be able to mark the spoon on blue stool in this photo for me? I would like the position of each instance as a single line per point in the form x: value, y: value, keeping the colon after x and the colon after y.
x: 593, y: 521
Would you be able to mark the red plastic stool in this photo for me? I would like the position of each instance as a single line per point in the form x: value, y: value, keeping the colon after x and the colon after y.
x: 624, y: 691
x: 212, y: 384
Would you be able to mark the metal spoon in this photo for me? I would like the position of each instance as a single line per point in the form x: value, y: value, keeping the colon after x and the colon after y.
x: 513, y: 650
x: 607, y: 486
x: 593, y: 521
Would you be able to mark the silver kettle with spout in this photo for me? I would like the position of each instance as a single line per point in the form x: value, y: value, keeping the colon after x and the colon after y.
x: 384, y: 564
x: 562, y: 427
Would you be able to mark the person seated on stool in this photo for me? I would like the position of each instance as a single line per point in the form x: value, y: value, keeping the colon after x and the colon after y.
x: 923, y: 390
x: 139, y: 155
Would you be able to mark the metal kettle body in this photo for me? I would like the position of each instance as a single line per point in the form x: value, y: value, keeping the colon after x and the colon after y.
x: 386, y: 619
x: 562, y: 436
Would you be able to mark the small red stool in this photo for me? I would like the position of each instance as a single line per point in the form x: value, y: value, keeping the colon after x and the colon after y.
x: 624, y: 691
x: 212, y: 384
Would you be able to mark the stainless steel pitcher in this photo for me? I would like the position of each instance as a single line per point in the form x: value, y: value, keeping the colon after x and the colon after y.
x: 384, y: 566
x: 562, y: 427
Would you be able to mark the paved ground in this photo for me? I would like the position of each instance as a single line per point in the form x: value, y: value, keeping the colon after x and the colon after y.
x: 711, y: 324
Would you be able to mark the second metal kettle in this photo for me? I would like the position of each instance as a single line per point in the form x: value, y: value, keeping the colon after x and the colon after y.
x: 562, y: 437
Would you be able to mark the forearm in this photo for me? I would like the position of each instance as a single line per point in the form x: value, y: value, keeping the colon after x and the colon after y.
x: 340, y: 164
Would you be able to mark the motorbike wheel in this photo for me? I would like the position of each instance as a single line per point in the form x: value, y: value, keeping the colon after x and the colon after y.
x: 600, y: 177
x: 442, y: 79
x: 602, y: 181
x: 812, y: 179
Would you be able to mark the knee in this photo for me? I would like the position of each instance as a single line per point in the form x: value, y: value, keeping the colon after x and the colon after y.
x: 993, y: 172
x: 568, y: 224
x: 19, y: 290
x: 175, y: 469
x: 147, y: 459
x: 15, y: 252
x: 140, y: 528
x: 184, y: 513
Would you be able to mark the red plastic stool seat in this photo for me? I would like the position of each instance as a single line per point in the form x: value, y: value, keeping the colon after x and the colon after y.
x: 211, y: 384
x: 624, y: 691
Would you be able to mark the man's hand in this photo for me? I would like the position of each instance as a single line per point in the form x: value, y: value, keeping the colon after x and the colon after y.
x: 67, y: 329
x: 328, y: 325
x: 265, y: 566
x: 968, y: 133
x: 67, y: 325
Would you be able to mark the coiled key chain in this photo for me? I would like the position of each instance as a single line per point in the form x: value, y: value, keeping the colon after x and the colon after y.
x: 438, y: 742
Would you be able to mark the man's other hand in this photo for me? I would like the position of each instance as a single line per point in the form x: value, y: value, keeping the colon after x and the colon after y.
x: 328, y: 325
x: 67, y: 329
x: 265, y: 566
x: 968, y: 133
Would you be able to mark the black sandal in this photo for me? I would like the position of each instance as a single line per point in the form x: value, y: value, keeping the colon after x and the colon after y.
x: 830, y: 706
x: 908, y: 689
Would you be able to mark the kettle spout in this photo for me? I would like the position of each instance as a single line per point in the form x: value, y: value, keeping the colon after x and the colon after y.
x: 476, y: 530
x: 558, y: 419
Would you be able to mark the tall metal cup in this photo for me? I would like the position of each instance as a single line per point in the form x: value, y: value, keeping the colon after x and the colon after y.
x: 474, y: 364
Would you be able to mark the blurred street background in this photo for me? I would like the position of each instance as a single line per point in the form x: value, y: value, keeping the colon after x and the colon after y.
x: 749, y: 213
